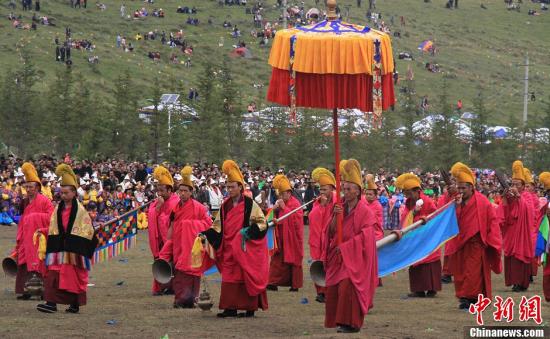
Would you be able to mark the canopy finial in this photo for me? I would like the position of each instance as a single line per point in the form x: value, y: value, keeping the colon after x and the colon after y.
x: 331, y: 10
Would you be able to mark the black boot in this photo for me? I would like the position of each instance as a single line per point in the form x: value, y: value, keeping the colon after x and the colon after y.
x: 272, y: 288
x: 247, y: 314
x: 431, y: 294
x: 227, y: 313
x: 48, y: 307
x: 73, y: 309
x: 320, y: 298
x: 24, y: 297
x: 347, y: 329
x: 416, y: 294
x: 447, y: 279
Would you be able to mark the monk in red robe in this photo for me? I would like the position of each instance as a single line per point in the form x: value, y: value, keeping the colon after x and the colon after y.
x: 371, y: 195
x: 544, y: 180
x: 425, y: 275
x: 319, y: 218
x: 238, y: 237
x: 352, y: 264
x: 159, y: 220
x: 70, y: 246
x: 531, y: 194
x: 450, y: 192
x: 188, y: 219
x: 476, y: 251
x: 36, y: 212
x: 286, y: 263
x: 516, y: 214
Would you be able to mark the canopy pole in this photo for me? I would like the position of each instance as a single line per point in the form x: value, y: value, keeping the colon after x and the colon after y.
x: 339, y: 217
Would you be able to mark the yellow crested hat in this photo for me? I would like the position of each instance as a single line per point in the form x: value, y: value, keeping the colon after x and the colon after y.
x: 544, y: 178
x: 231, y: 169
x: 323, y: 176
x: 163, y: 176
x: 68, y: 178
x: 186, y: 176
x: 463, y: 173
x: 350, y: 171
x: 528, y: 176
x: 31, y: 175
x: 407, y: 181
x: 281, y: 183
x: 517, y: 171
x: 369, y: 182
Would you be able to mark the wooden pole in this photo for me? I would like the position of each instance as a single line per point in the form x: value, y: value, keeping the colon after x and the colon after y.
x: 339, y: 217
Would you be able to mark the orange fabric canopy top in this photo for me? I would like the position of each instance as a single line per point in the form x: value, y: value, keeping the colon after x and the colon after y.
x: 332, y: 47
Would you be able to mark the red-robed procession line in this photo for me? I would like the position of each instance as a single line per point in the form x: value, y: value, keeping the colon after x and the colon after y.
x: 339, y: 217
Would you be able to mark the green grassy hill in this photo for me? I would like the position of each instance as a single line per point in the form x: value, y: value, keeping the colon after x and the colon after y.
x: 476, y: 46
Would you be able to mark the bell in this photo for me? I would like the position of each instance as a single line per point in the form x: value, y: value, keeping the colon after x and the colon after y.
x: 34, y: 286
x: 204, y: 301
x: 9, y: 265
x: 317, y: 273
x: 162, y: 271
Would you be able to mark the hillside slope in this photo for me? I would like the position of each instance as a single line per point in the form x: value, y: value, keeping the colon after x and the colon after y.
x: 476, y: 46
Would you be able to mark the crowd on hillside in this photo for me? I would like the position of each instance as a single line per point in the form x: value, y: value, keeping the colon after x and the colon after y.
x: 112, y: 187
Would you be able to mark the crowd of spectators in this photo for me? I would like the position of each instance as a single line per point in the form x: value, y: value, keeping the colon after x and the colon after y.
x: 111, y: 187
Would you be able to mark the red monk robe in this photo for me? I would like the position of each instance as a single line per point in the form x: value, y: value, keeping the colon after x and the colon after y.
x: 424, y: 275
x: 376, y: 207
x: 516, y: 218
x: 476, y: 250
x: 245, y: 271
x: 36, y: 215
x: 446, y: 272
x: 534, y: 201
x: 188, y: 219
x: 351, y: 269
x: 319, y: 218
x: 545, y: 211
x: 65, y: 283
x: 286, y: 264
x: 159, y: 222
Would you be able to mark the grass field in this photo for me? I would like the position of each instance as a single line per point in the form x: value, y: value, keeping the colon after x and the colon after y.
x: 477, y: 46
x: 139, y: 315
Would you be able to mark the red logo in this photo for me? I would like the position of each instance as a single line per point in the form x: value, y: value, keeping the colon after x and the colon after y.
x: 529, y: 309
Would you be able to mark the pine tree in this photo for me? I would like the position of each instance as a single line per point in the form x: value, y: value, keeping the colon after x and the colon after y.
x: 20, y: 102
x: 231, y: 111
x: 445, y: 146
x: 159, y: 123
x: 63, y: 120
x: 408, y: 138
x: 126, y: 133
x: 479, y: 146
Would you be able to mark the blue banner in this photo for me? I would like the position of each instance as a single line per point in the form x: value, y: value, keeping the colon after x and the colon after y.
x: 419, y: 243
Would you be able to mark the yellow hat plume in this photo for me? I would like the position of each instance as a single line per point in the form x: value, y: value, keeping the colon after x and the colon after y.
x: 323, y: 176
x: 163, y: 176
x: 517, y: 171
x: 462, y: 173
x: 233, y: 172
x: 186, y: 176
x: 31, y: 175
x: 407, y: 181
x: 68, y: 178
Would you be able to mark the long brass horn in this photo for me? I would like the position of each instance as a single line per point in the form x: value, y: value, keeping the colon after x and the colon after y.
x: 162, y: 271
x: 9, y: 265
x: 317, y: 269
x: 317, y: 273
